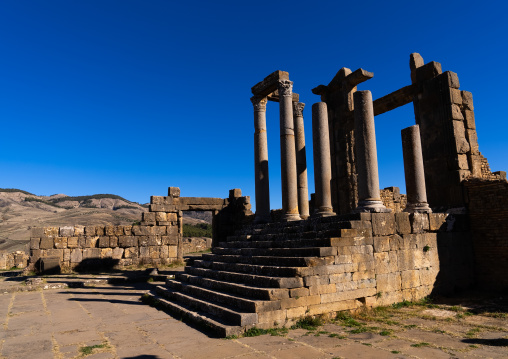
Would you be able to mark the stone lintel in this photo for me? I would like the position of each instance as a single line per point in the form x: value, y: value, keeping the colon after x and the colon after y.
x: 393, y: 100
x: 344, y: 79
x: 269, y: 84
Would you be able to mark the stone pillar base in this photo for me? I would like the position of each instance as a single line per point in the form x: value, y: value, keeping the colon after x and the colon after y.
x: 289, y: 217
x: 418, y: 208
x: 373, y: 206
x: 324, y: 212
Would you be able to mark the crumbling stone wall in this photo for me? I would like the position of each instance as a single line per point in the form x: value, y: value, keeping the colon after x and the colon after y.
x: 393, y: 199
x: 196, y: 244
x: 156, y: 240
x: 18, y: 259
x: 488, y: 215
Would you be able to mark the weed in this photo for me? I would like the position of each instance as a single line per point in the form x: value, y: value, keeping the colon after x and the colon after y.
x: 419, y: 345
x: 379, y: 294
x: 309, y: 323
x: 89, y: 349
x: 385, y: 332
x: 229, y: 337
x: 496, y: 315
x: 426, y: 248
x: 439, y: 331
x: 150, y: 280
x: 472, y: 332
x: 395, y: 352
x: 473, y: 346
x: 367, y: 344
x: 254, y: 332
x: 410, y: 326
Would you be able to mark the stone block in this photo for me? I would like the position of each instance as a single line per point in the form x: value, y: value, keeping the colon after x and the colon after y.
x: 300, y: 302
x: 171, y: 217
x: 79, y: 230
x: 90, y: 231
x: 358, y: 276
x: 469, y: 119
x: 272, y: 316
x: 170, y: 240
x: 366, y: 265
x: 402, y: 225
x: 385, y: 262
x: 164, y: 251
x: 142, y: 241
x: 410, y: 279
x: 118, y: 253
x: 127, y: 230
x: 455, y: 96
x: 82, y: 242
x: 76, y: 255
x: 72, y: 242
x: 352, y: 294
x: 298, y: 292
x: 131, y: 252
x: 144, y: 252
x: 428, y: 276
x: 162, y: 208
x: 51, y: 231
x: 154, y: 252
x: 109, y: 230
x: 100, y: 230
x: 341, y: 278
x: 35, y: 243
x: 160, y: 216
x: 428, y: 71
x: 154, y: 240
x: 157, y: 200
x: 104, y: 241
x: 459, y: 132
x: 91, y: 242
x: 66, y: 255
x: 383, y: 224
x: 174, y: 192
x: 396, y: 241
x: 333, y: 307
x: 457, y: 113
x: 60, y: 242
x: 451, y: 79
x: 381, y: 244
x: 148, y: 217
x: 409, y: 241
x: 405, y: 259
x: 55, y: 253
x: 473, y: 141
x: 467, y: 100
x: 91, y: 253
x: 296, y: 312
x: 46, y: 243
x: 127, y: 241
x: 388, y: 282
x: 419, y: 222
x: 235, y: 193
x: 106, y: 253
x: 113, y: 241
x: 322, y: 289
x: 462, y: 162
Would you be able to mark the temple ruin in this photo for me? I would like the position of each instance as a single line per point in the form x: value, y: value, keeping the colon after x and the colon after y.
x: 354, y: 245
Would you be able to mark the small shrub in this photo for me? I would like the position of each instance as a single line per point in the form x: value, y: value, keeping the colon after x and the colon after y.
x: 89, y: 349
x: 426, y: 249
x: 309, y: 323
x: 419, y: 345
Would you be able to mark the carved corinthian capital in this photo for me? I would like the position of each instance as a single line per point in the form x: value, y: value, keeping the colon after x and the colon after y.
x: 259, y: 103
x: 298, y: 109
x: 285, y: 88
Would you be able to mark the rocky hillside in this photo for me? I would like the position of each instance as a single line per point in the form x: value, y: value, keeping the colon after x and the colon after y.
x: 21, y: 210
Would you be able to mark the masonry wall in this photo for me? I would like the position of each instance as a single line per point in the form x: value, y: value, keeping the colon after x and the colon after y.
x: 488, y: 213
x: 393, y: 199
x: 18, y: 259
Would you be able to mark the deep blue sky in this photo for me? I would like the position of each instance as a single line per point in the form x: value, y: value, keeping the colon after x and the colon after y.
x: 130, y: 97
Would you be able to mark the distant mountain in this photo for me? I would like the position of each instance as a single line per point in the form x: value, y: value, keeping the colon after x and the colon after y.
x: 21, y: 210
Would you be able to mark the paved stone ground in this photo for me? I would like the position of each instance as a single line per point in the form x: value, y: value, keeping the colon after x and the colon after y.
x: 58, y: 323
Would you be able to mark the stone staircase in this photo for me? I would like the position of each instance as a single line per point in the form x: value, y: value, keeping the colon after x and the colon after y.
x: 264, y: 276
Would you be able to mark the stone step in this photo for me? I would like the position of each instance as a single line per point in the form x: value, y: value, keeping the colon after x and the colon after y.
x: 278, y: 243
x: 271, y: 271
x: 229, y: 315
x: 249, y: 279
x: 233, y: 301
x: 235, y: 288
x: 278, y: 252
x: 200, y: 318
x: 267, y: 260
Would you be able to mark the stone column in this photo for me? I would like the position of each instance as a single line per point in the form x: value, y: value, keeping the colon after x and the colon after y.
x: 322, y: 162
x: 369, y: 197
x: 261, y: 161
x: 288, y: 153
x: 413, y: 170
x: 301, y: 160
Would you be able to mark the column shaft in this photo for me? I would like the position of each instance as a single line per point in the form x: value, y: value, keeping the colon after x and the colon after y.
x: 369, y: 197
x: 322, y: 162
x: 301, y: 160
x: 288, y: 153
x: 261, y: 161
x: 413, y: 170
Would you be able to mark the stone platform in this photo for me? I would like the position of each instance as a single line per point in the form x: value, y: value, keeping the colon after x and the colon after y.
x: 270, y: 275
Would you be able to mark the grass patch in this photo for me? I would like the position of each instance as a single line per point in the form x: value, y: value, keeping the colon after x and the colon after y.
x: 254, y: 332
x: 496, y: 315
x: 198, y: 230
x: 472, y: 332
x: 395, y: 352
x: 335, y: 335
x: 419, y: 345
x: 87, y: 350
x: 385, y: 332
x: 309, y: 323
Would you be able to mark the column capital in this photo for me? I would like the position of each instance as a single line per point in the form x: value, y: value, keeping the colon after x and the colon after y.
x: 285, y: 88
x: 259, y: 103
x: 298, y: 109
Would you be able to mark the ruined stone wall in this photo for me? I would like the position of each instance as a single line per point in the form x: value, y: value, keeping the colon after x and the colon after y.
x: 18, y: 259
x: 393, y: 199
x: 196, y: 244
x: 488, y: 213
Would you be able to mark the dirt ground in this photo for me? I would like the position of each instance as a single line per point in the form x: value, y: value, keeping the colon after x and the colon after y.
x: 78, y: 316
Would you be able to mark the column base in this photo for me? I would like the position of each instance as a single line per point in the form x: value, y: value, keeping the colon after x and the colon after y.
x: 373, y: 206
x: 324, y: 212
x: 289, y: 217
x: 418, y: 208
